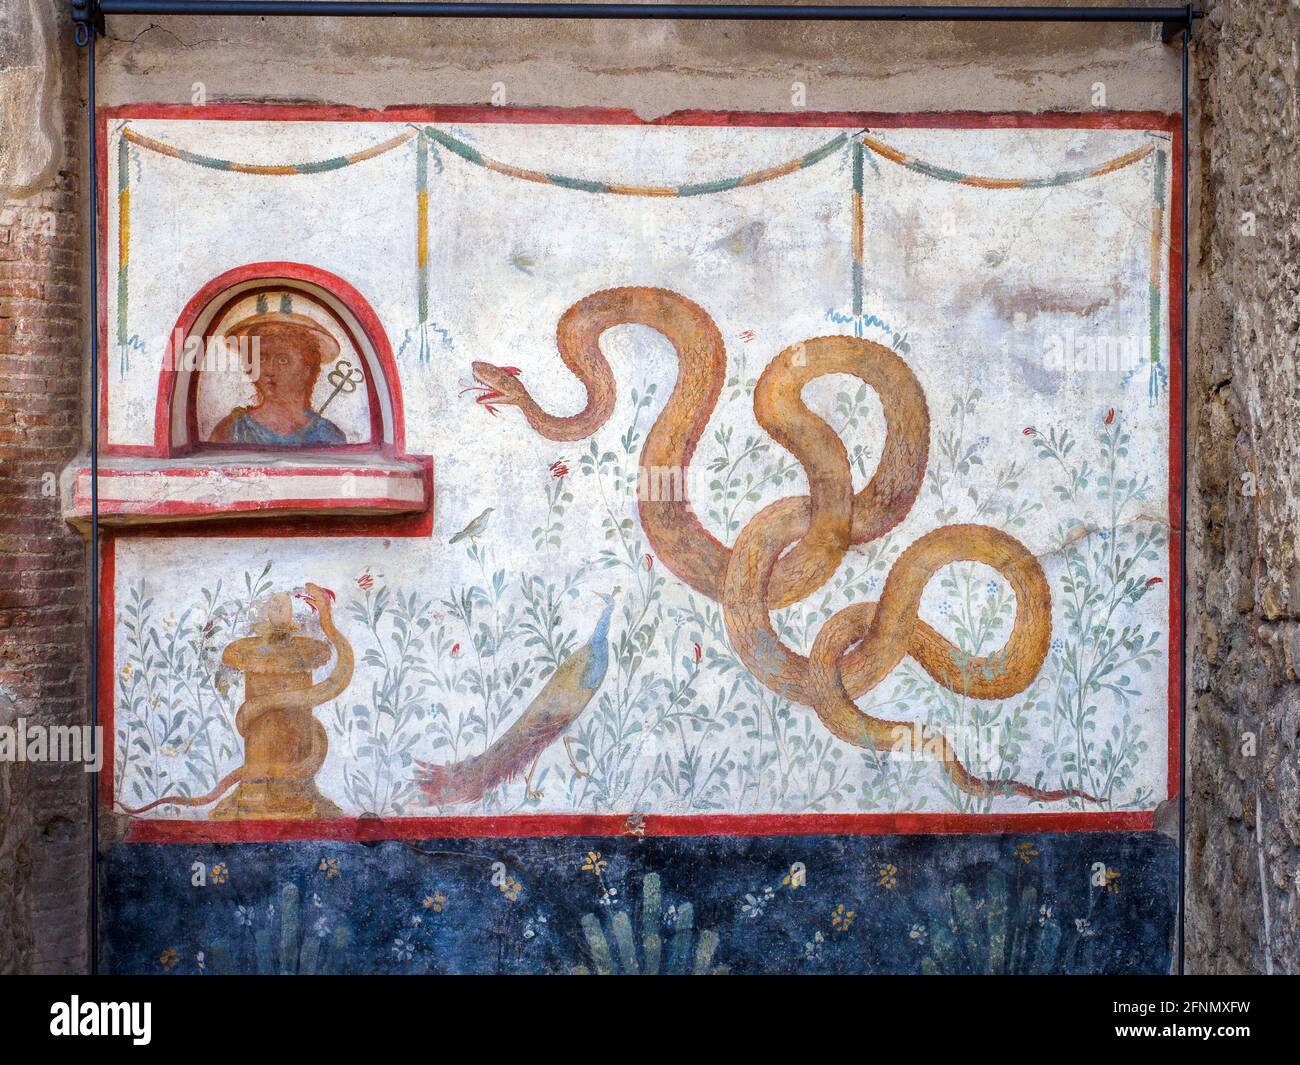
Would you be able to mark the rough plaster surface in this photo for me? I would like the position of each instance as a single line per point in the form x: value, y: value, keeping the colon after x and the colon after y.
x: 30, y: 90
x: 15, y: 858
x: 1243, y: 855
x: 652, y: 67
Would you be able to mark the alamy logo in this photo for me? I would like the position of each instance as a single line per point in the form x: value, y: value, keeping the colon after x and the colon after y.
x: 218, y: 354
x: 21, y: 742
x: 102, y: 1018
x: 1092, y: 353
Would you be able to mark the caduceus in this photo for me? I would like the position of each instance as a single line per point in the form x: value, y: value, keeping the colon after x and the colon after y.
x: 345, y: 378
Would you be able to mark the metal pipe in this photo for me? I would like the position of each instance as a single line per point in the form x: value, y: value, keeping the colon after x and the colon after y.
x: 1182, y: 529
x: 706, y: 12
x: 92, y: 678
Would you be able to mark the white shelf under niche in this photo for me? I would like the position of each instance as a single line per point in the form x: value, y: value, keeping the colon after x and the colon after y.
x: 213, y: 485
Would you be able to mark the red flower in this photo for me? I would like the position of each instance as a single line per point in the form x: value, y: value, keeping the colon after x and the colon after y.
x: 649, y: 562
x: 698, y: 654
x: 1110, y: 415
x: 455, y: 648
x: 365, y: 582
x: 1029, y: 430
x: 559, y: 469
x: 1154, y: 581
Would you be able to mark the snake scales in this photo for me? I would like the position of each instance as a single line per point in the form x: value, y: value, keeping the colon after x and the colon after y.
x: 794, y: 545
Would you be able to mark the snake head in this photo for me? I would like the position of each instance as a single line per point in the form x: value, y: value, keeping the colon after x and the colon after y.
x: 315, y: 596
x: 498, y: 386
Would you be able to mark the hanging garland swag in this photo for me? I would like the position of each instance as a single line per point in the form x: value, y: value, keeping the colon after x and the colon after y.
x: 428, y: 136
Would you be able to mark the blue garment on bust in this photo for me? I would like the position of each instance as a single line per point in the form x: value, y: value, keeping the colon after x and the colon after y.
x: 246, y: 429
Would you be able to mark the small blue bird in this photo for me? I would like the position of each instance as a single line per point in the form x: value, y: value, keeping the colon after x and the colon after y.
x: 564, y: 696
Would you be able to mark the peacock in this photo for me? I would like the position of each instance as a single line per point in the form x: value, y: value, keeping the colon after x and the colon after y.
x: 564, y: 696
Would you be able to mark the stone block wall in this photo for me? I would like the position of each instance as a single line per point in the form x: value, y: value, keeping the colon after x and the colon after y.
x: 1243, y: 757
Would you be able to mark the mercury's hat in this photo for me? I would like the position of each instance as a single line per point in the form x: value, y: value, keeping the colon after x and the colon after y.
x: 286, y: 321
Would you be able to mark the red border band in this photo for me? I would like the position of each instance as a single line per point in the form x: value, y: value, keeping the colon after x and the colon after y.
x: 363, y: 829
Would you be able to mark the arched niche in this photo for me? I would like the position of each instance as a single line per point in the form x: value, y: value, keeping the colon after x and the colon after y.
x: 371, y: 417
x: 186, y: 477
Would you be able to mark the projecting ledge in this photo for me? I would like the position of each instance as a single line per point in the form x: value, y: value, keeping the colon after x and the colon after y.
x: 140, y: 491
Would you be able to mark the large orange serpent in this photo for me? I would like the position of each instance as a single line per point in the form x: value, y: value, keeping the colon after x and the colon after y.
x: 794, y: 545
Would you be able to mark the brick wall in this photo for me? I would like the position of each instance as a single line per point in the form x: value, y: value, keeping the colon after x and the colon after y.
x: 43, y: 588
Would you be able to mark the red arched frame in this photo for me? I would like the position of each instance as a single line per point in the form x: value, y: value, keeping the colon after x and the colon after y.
x: 391, y: 439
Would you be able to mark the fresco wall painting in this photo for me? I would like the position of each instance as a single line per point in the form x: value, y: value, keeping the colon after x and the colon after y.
x: 796, y: 591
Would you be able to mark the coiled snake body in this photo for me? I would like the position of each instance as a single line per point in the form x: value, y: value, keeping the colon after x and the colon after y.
x: 794, y: 545
x: 284, y: 745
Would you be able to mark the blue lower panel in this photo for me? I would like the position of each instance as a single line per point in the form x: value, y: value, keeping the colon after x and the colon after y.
x: 1067, y: 903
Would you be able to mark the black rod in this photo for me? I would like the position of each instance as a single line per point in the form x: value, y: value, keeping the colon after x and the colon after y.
x: 93, y: 675
x: 708, y: 12
x: 1182, y: 531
